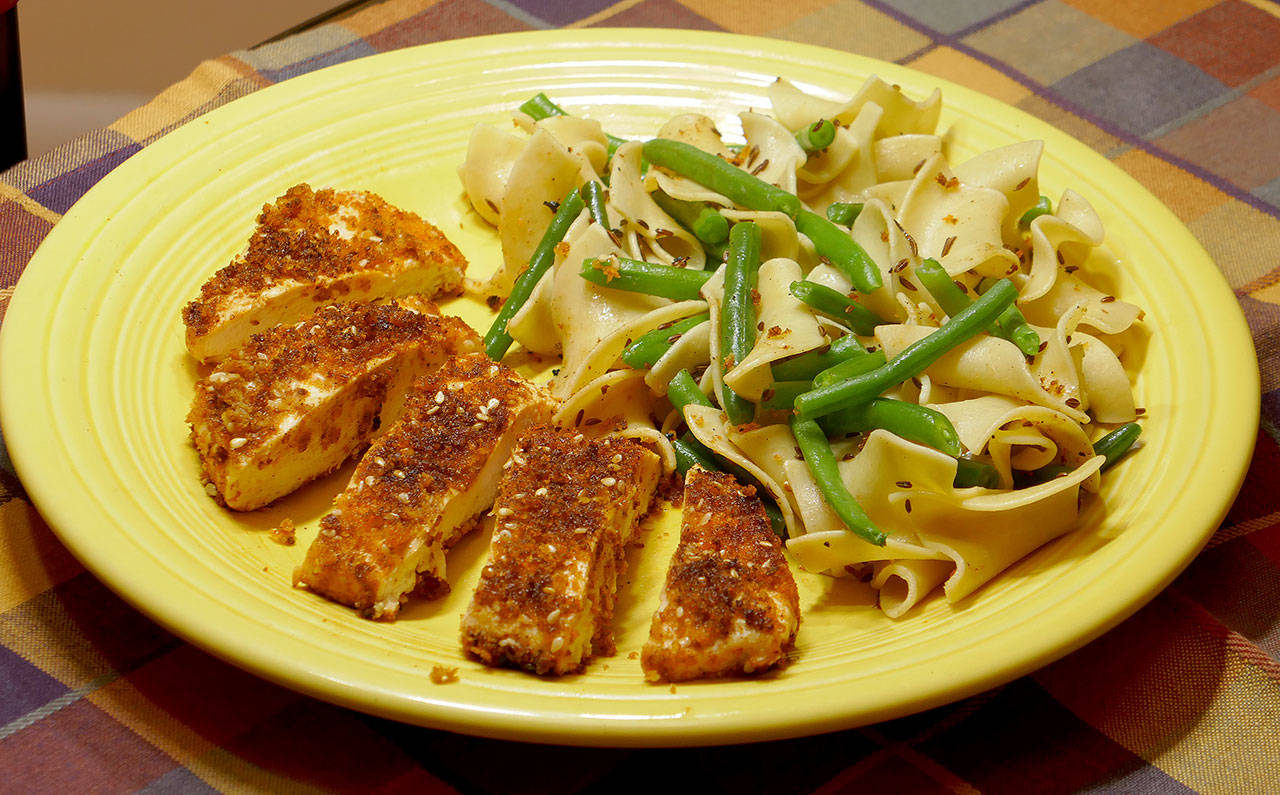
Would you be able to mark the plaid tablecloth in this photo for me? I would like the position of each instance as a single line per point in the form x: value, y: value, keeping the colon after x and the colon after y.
x: 1183, y: 94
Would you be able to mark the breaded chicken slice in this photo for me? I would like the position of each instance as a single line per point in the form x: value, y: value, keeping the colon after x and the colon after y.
x: 313, y: 248
x: 420, y: 487
x: 729, y: 605
x: 566, y: 508
x: 297, y: 401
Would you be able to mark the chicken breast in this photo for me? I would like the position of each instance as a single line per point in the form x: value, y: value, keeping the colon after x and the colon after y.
x: 729, y: 605
x: 420, y: 487
x: 566, y: 508
x: 313, y: 248
x: 297, y: 401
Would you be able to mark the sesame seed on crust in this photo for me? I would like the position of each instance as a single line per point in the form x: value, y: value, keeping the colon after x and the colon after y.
x: 373, y: 561
x: 335, y: 246
x: 730, y: 603
x: 545, y: 600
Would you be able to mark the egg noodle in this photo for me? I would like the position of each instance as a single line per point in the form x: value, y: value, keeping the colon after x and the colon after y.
x: 1029, y: 418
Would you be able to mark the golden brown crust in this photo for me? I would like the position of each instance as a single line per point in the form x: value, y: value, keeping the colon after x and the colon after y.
x: 271, y: 387
x: 392, y: 514
x: 293, y: 242
x: 565, y: 510
x: 249, y: 393
x: 730, y: 602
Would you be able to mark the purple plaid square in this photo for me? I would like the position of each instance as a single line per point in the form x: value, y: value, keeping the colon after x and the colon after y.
x: 952, y: 16
x: 23, y: 687
x: 1139, y: 88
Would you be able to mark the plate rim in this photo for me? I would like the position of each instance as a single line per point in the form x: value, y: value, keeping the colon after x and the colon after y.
x: 24, y: 453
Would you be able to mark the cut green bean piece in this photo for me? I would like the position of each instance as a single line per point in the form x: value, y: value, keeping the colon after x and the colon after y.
x: 837, y: 306
x: 496, y: 340
x: 940, y: 285
x: 720, y: 175
x: 701, y: 218
x: 807, y: 365
x: 844, y: 213
x: 817, y: 454
x: 684, y: 391
x: 651, y: 347
x: 690, y: 451
x: 638, y: 276
x: 841, y: 249
x: 910, y: 421
x: 738, y: 312
x: 1113, y: 446
x: 1042, y: 207
x: 1117, y: 443
x: 782, y: 395
x: 1014, y: 327
x: 913, y: 360
x: 855, y: 365
x: 1011, y: 325
x: 817, y: 136
x: 540, y: 106
x: 1043, y: 474
x: 593, y: 195
x: 975, y: 473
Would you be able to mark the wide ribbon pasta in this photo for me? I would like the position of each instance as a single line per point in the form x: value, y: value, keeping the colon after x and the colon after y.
x: 1025, y: 417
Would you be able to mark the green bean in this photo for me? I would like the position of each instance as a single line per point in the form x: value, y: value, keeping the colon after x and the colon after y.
x: 781, y: 396
x: 651, y: 347
x: 1041, y: 475
x: 720, y: 175
x: 836, y: 305
x: 949, y: 295
x: 1113, y: 446
x: 540, y: 107
x: 738, y: 312
x: 1011, y: 325
x: 817, y: 136
x: 638, y: 276
x: 701, y: 218
x: 1042, y: 207
x: 855, y: 365
x: 807, y: 365
x: 683, y: 391
x: 496, y: 339
x: 817, y: 454
x: 913, y: 360
x: 909, y: 421
x: 841, y: 249
x: 975, y: 473
x: 1117, y: 443
x: 593, y: 195
x: 690, y: 451
x: 844, y: 213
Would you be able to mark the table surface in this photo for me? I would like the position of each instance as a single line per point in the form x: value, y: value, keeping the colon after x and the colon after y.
x: 1185, y: 695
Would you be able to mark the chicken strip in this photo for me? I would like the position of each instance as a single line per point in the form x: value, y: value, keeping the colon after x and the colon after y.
x: 566, y: 508
x: 729, y: 605
x: 313, y: 248
x: 420, y: 487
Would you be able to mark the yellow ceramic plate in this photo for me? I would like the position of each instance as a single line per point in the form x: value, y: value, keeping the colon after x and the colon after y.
x: 97, y: 384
